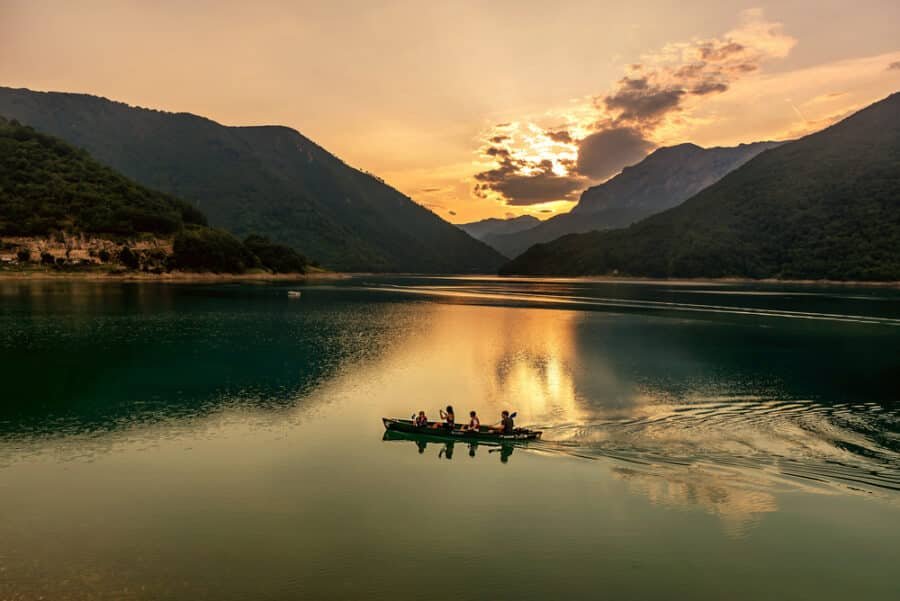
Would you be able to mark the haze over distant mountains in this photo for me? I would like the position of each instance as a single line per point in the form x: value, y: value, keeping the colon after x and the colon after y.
x: 266, y: 180
x: 826, y: 206
x: 494, y: 226
x: 662, y: 180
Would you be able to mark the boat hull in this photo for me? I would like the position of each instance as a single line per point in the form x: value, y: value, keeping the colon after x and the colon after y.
x: 483, y: 435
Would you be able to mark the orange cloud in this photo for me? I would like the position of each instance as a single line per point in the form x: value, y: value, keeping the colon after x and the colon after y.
x: 532, y: 163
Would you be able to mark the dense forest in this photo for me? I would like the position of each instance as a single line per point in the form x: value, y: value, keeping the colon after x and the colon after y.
x: 267, y: 180
x: 211, y: 249
x: 48, y: 187
x: 826, y: 206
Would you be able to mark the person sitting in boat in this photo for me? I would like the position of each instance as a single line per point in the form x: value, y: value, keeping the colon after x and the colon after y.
x: 421, y: 420
x: 474, y: 424
x: 448, y: 417
x: 506, y: 424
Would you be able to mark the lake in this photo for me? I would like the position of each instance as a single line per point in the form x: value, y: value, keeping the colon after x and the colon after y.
x: 200, y: 441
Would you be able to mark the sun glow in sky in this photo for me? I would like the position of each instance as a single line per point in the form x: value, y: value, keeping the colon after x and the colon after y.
x: 474, y: 109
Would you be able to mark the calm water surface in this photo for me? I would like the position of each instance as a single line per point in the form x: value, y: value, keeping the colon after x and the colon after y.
x: 224, y: 441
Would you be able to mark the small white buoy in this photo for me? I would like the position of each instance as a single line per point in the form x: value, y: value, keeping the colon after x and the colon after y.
x: 294, y: 294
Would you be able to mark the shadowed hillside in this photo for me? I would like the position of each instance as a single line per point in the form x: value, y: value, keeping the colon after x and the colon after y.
x: 267, y: 180
x: 60, y: 208
x: 664, y: 179
x: 824, y: 206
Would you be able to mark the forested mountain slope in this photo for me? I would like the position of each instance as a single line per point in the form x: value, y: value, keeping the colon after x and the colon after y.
x: 824, y: 206
x: 268, y: 180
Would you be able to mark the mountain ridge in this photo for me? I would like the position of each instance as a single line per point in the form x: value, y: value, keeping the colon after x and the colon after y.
x: 267, y: 179
x: 61, y: 208
x: 494, y: 225
x: 661, y: 180
x: 826, y: 206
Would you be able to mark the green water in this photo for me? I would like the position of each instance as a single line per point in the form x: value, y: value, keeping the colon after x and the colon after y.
x: 225, y: 442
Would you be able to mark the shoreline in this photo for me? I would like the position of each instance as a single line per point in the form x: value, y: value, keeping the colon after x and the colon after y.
x: 714, y: 281
x: 175, y: 277
x: 189, y: 277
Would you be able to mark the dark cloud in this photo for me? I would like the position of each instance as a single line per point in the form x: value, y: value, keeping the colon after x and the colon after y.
x: 429, y: 190
x: 627, y: 118
x: 506, y: 167
x: 894, y: 66
x: 717, y: 51
x: 452, y: 212
x: 633, y: 83
x: 541, y: 185
x: 600, y: 155
x: 646, y: 96
x: 637, y: 100
x: 546, y: 210
x: 690, y: 71
x: 743, y: 68
x: 561, y: 136
x: 604, y: 153
x: 523, y: 190
x: 709, y: 87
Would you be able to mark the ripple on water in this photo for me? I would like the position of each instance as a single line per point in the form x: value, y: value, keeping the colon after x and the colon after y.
x: 854, y: 447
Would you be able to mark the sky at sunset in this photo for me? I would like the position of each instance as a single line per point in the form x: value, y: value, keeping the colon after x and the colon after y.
x: 474, y: 109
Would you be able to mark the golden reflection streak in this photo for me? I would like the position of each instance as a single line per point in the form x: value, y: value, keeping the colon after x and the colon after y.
x: 518, y: 359
x: 524, y: 360
x: 738, y: 503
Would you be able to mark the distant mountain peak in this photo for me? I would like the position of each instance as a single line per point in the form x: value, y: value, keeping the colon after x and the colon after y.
x: 493, y: 226
x: 663, y: 179
x: 676, y: 149
x: 667, y: 176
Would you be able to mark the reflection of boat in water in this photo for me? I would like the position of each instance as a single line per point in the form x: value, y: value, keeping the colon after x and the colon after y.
x: 422, y: 439
x: 484, y: 434
x: 294, y: 294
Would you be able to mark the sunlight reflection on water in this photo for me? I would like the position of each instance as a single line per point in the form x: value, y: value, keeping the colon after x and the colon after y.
x: 226, y: 422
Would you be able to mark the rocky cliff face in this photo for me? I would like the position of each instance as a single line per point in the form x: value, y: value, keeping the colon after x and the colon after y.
x: 667, y: 177
x: 149, y: 254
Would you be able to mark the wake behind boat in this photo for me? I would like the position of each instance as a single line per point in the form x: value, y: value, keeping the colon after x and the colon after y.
x: 457, y: 433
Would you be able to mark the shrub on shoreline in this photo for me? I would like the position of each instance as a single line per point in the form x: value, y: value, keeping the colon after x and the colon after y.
x: 209, y: 249
x: 277, y: 258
